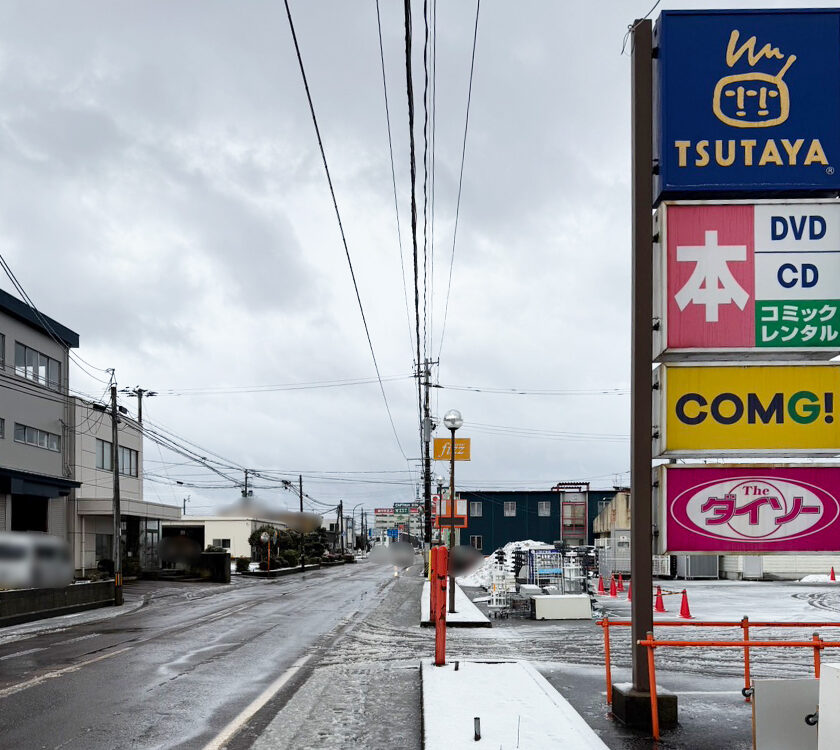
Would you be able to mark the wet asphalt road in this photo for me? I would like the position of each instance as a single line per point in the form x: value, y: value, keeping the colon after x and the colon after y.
x: 176, y: 672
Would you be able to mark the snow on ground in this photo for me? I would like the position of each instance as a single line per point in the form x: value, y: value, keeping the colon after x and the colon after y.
x: 466, y: 613
x: 516, y: 705
x: 480, y: 575
x: 817, y: 578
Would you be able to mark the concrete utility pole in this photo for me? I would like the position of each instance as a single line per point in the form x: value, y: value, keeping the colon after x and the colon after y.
x: 186, y: 500
x: 341, y: 523
x: 300, y: 488
x: 245, y: 491
x: 115, y: 467
x: 138, y: 393
x: 427, y: 466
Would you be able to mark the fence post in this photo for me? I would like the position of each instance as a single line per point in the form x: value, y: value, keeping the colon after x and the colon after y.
x: 745, y: 624
x: 817, y: 647
x: 605, y: 623
x: 654, y: 704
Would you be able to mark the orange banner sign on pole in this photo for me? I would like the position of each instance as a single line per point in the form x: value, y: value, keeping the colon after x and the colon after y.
x: 443, y: 449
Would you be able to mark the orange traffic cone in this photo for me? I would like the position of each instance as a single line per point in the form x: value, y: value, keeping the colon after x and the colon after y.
x: 601, y: 590
x: 620, y: 583
x: 685, y: 612
x: 659, y: 606
x: 630, y: 591
x: 832, y: 576
x: 613, y: 589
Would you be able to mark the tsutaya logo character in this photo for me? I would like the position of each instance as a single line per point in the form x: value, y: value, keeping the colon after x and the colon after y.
x: 711, y: 282
x: 756, y: 99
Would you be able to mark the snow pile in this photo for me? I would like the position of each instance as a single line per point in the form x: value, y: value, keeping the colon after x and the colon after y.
x: 817, y: 578
x: 482, y: 574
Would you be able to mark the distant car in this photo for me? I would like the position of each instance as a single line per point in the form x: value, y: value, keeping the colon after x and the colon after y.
x: 253, y: 567
x: 34, y: 560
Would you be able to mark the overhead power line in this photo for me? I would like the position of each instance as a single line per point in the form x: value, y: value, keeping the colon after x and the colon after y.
x: 460, y: 178
x: 340, y: 225
x: 393, y: 174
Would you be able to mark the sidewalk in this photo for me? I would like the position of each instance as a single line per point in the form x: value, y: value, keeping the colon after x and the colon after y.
x: 515, y: 705
x: 466, y: 614
x: 62, y: 622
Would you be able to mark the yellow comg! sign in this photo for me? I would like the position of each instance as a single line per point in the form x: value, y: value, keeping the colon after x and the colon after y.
x: 777, y: 409
x: 443, y: 449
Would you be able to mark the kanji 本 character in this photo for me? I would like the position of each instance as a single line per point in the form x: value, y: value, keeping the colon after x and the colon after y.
x: 753, y: 507
x: 827, y: 312
x: 793, y: 331
x: 808, y: 314
x: 828, y: 333
x: 808, y: 332
x: 790, y: 313
x: 766, y: 334
x: 796, y: 510
x: 722, y: 507
x: 769, y: 314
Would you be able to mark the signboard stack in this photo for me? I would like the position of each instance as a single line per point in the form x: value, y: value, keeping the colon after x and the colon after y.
x: 746, y: 280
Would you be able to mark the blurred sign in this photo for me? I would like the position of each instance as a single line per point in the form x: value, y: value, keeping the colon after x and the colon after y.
x: 749, y: 509
x: 393, y: 534
x: 746, y: 410
x: 762, y: 278
x: 443, y: 449
x: 748, y: 102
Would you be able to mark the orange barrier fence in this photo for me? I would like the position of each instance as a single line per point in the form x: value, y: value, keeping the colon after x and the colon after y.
x: 744, y: 623
x: 815, y: 643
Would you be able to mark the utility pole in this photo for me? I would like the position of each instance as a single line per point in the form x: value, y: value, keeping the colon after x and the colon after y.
x: 300, y: 487
x: 341, y: 523
x: 138, y: 393
x: 427, y: 463
x: 186, y: 500
x: 245, y: 491
x: 115, y: 466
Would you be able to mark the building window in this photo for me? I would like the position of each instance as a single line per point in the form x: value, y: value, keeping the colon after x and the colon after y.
x: 2, y: 427
x: 544, y: 508
x: 103, y: 546
x: 128, y: 458
x: 222, y: 543
x: 510, y: 507
x: 476, y: 541
x: 38, y: 438
x: 2, y: 351
x: 39, y: 368
x: 103, y: 455
x: 475, y: 509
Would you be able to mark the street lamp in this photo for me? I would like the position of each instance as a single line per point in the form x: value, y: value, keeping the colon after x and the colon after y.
x: 353, y: 522
x: 452, y: 420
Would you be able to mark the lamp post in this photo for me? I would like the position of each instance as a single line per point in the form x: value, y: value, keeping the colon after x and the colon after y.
x: 353, y: 517
x: 452, y: 420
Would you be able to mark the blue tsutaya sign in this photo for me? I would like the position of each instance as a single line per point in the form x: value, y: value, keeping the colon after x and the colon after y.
x: 748, y: 103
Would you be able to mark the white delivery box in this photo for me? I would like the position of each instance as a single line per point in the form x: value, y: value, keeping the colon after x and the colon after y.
x: 561, y: 607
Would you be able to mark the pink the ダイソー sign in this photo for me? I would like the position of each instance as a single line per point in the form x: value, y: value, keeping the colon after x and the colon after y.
x: 750, y: 509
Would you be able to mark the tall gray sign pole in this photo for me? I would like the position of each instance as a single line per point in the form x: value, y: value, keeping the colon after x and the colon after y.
x: 641, y: 354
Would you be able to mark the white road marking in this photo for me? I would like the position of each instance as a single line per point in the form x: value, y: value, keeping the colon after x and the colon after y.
x: 248, y: 712
x: 5, y: 693
x: 78, y: 638
x: 22, y: 653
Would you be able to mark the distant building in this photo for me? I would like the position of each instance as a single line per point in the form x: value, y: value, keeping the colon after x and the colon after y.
x: 92, y: 532
x: 36, y: 420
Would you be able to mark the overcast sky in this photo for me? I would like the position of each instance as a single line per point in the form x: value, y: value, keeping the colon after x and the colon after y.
x: 163, y: 196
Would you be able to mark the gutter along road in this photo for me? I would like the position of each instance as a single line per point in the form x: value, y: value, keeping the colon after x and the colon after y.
x: 187, y: 670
